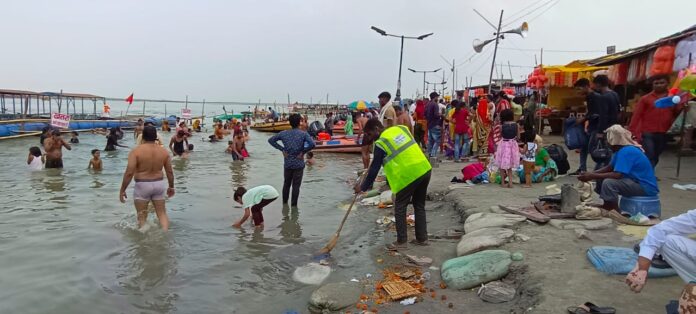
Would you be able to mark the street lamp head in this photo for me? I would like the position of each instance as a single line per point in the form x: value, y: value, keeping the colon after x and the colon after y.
x: 381, y: 32
x: 421, y: 37
x: 437, y: 70
x: 412, y: 70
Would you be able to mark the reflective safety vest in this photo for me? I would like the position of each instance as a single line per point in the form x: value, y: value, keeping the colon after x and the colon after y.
x: 404, y: 162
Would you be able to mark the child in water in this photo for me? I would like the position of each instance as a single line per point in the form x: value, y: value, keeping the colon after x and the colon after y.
x: 73, y: 138
x: 95, y: 163
x: 36, y: 160
x: 253, y: 201
x: 310, y: 159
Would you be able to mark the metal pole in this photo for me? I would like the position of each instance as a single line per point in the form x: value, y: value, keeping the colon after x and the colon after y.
x: 186, y: 105
x: 143, y: 109
x: 398, y: 83
x: 681, y: 141
x: 82, y: 101
x: 165, y: 110
x: 424, y: 92
x: 495, y: 52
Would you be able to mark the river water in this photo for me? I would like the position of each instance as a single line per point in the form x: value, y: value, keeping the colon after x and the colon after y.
x: 69, y: 246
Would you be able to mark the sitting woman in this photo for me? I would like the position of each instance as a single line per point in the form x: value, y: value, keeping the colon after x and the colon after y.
x: 545, y: 168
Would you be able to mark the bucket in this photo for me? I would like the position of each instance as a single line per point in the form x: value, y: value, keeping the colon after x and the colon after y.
x: 646, y: 205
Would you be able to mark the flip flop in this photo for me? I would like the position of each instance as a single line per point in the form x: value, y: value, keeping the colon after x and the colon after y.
x: 588, y: 307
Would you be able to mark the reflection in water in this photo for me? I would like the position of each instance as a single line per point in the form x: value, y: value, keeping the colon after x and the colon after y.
x: 290, y: 228
x: 96, y: 183
x: 239, y: 171
x: 54, y: 180
x: 147, y: 269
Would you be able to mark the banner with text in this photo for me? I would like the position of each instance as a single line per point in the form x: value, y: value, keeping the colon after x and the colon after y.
x: 186, y: 113
x: 60, y: 120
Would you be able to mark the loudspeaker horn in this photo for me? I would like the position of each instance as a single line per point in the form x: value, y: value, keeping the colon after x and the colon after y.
x: 522, y: 30
x: 478, y: 44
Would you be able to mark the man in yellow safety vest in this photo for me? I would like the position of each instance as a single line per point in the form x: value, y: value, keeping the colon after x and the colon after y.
x: 408, y: 173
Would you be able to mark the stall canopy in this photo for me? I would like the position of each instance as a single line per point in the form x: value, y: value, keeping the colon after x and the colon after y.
x: 566, y: 75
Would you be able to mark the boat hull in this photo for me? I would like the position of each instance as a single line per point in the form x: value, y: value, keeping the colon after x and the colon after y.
x: 338, y: 145
x: 272, y: 126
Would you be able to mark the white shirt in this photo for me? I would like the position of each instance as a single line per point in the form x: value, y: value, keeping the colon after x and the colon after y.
x: 36, y: 164
x: 255, y: 195
x: 684, y: 225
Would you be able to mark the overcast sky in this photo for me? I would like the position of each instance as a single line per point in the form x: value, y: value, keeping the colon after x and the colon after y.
x: 263, y: 49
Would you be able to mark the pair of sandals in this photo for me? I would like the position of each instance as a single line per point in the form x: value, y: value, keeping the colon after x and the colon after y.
x: 589, y: 307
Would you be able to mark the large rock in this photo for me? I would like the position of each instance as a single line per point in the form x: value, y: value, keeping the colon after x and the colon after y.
x: 334, y: 297
x: 490, y: 220
x: 482, y: 239
x: 469, y: 271
x: 311, y: 274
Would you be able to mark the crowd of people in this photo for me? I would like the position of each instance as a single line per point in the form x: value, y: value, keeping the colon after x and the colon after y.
x: 500, y: 131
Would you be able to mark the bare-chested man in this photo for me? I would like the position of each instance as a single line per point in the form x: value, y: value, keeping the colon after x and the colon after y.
x: 138, y: 128
x: 238, y: 146
x: 145, y: 163
x: 403, y: 118
x: 54, y: 150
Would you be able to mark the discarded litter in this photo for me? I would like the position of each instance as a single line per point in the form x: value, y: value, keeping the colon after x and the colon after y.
x: 685, y: 187
x: 425, y: 276
x: 408, y: 301
x: 368, y: 275
x: 385, y: 220
x: 354, y: 280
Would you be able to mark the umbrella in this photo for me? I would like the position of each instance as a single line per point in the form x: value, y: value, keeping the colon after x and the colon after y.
x: 360, y: 105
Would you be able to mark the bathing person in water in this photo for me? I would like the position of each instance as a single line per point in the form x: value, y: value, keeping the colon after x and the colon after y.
x: 95, y: 163
x: 253, y: 201
x: 74, y: 138
x: 54, y: 150
x: 176, y: 144
x: 35, y: 160
x: 112, y: 139
x: 310, y: 159
x: 145, y: 163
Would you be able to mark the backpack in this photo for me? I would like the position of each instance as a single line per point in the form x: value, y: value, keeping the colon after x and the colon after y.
x: 575, y: 137
x: 559, y: 155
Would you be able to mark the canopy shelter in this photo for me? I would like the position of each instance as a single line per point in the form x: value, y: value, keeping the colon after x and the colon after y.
x: 23, y: 104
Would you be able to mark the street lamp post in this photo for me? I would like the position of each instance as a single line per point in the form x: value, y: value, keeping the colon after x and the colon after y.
x: 424, y: 72
x: 401, y: 55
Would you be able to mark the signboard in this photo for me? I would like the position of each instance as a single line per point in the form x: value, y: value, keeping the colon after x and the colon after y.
x: 186, y: 113
x: 611, y: 50
x: 60, y: 120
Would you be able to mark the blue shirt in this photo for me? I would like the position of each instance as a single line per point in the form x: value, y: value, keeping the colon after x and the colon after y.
x: 295, y: 142
x: 632, y: 163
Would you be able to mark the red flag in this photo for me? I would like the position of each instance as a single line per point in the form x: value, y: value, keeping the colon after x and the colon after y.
x: 129, y: 100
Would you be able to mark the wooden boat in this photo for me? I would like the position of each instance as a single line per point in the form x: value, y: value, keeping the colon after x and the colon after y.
x: 338, y: 144
x: 272, y: 126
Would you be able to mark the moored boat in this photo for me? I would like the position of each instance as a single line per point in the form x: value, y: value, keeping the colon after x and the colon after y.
x: 272, y: 126
x: 339, y: 144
